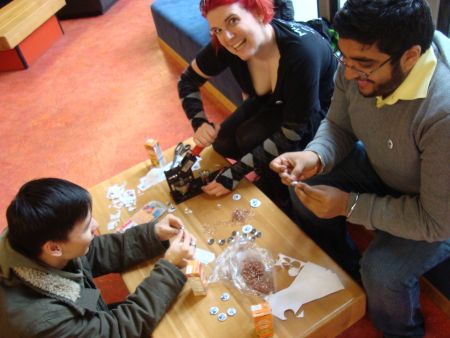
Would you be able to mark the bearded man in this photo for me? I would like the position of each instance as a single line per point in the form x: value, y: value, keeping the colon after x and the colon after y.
x: 381, y: 157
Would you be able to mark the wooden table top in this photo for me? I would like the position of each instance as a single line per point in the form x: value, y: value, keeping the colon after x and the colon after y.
x: 19, y: 18
x: 189, y: 316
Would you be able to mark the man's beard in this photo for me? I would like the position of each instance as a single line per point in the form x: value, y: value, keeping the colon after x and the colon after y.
x: 387, y: 88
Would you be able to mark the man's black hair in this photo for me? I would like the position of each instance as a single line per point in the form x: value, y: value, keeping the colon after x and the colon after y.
x: 394, y: 25
x: 283, y: 9
x: 45, y: 209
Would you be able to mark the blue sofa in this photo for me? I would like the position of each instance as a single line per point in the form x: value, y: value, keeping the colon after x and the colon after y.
x: 180, y: 25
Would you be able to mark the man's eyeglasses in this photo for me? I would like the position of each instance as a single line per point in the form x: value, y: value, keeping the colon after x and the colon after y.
x: 361, y: 74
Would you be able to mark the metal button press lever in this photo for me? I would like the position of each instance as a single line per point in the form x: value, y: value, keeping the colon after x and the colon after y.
x: 180, y: 149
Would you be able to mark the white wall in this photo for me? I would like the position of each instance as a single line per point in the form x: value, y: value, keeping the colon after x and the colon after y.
x: 305, y: 9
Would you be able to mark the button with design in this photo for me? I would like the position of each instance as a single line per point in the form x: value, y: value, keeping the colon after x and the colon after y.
x: 231, y: 311
x: 222, y: 317
x: 214, y: 310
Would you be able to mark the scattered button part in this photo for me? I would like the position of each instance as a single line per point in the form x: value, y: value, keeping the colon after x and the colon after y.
x: 222, y: 317
x: 214, y: 310
x: 171, y: 208
x: 210, y: 241
x: 225, y: 296
x: 236, y: 197
x: 231, y: 311
x: 246, y: 229
x: 255, y: 203
x: 204, y: 175
x: 390, y: 144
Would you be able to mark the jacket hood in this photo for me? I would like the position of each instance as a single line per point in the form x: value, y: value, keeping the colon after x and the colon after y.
x: 15, y: 265
x: 10, y: 258
x: 442, y: 44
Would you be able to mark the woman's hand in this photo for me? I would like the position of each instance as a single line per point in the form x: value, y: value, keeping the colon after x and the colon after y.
x: 206, y: 134
x: 214, y: 188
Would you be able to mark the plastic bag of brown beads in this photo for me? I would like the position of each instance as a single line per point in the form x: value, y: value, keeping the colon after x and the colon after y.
x: 255, y: 276
x: 247, y: 266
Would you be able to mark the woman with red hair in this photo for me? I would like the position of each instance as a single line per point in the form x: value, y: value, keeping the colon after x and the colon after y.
x: 285, y: 70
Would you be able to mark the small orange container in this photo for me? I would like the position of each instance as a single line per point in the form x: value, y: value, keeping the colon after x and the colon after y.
x: 262, y: 318
x: 154, y: 152
x: 195, y: 274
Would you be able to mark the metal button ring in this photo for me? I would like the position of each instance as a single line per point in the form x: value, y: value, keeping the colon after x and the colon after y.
x: 390, y: 144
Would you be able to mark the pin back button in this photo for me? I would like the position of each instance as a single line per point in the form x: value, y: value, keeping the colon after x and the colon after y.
x: 231, y: 311
x: 222, y: 317
x: 225, y: 296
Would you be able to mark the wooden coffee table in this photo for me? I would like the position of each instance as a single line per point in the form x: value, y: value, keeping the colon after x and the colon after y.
x: 189, y: 316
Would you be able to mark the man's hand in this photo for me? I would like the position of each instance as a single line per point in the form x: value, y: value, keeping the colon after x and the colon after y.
x: 168, y: 227
x: 214, y: 188
x: 296, y: 166
x: 181, y: 249
x: 206, y: 134
x: 322, y: 200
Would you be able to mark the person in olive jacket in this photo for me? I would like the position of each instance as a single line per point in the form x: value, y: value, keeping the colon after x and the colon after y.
x: 49, y: 256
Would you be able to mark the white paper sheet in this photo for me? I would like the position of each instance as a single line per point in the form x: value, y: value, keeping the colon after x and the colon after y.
x: 312, y: 282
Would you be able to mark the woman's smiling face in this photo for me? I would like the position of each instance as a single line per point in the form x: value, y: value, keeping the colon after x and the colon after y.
x: 237, y: 29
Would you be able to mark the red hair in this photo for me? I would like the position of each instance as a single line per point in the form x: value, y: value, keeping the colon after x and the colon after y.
x: 261, y: 7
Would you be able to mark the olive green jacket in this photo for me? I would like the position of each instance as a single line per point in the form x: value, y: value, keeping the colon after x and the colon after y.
x: 38, y: 301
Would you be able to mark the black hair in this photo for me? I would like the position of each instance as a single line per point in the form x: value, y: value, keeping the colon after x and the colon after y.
x: 283, y: 9
x: 45, y: 209
x: 394, y: 25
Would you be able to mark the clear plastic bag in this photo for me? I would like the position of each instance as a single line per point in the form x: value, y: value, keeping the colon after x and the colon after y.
x: 248, y: 267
